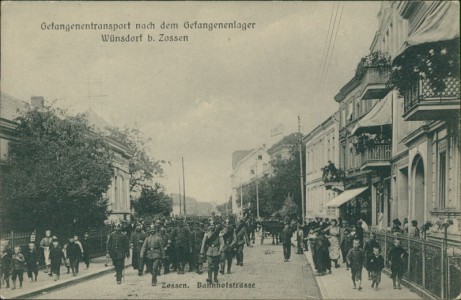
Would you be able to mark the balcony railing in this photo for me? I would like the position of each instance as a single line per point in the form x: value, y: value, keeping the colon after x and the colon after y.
x: 376, y: 156
x: 374, y: 82
x: 421, y: 102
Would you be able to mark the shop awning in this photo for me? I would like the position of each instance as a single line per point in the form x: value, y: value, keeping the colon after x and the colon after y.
x: 441, y: 24
x: 379, y: 115
x: 344, y: 197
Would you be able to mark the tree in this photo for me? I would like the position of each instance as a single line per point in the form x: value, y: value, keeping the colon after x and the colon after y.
x: 142, y: 167
x: 289, y: 210
x: 59, y: 170
x: 283, y: 182
x: 152, y: 201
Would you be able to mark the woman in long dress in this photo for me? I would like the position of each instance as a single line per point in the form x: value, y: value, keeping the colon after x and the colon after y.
x: 333, y: 237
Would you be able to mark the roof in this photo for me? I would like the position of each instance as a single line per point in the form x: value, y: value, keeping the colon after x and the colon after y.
x: 238, y: 155
x: 346, y: 89
x: 11, y: 107
x: 330, y: 120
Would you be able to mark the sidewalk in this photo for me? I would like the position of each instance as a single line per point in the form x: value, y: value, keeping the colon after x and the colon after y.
x: 46, y: 283
x: 338, y: 285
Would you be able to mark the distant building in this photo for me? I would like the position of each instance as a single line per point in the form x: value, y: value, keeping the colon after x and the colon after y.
x: 322, y: 148
x: 119, y: 190
x: 254, y: 165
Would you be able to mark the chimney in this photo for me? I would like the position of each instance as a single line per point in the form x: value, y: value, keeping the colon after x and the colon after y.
x: 37, y: 102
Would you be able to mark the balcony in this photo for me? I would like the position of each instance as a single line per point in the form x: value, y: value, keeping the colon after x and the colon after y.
x: 422, y: 103
x: 376, y: 156
x: 374, y: 82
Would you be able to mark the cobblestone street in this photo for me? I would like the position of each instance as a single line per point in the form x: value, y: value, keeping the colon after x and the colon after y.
x: 263, y: 266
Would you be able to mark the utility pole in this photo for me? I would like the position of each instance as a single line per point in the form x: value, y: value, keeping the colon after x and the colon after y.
x: 257, y: 188
x: 241, y: 199
x: 184, y: 186
x: 180, y: 205
x: 301, y: 167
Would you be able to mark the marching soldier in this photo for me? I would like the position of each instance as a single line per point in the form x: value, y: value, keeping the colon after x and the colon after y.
x: 242, y: 238
x: 152, y: 249
x: 117, y: 248
x: 230, y: 239
x: 199, y: 233
x: 136, y: 240
x: 183, y: 245
x: 212, y: 245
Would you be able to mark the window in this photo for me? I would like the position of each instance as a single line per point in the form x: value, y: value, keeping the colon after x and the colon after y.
x: 350, y: 111
x: 358, y: 110
x: 343, y: 117
x: 442, y: 178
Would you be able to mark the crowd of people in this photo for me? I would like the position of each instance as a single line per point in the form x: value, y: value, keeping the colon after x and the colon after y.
x: 333, y: 241
x: 158, y: 246
x: 173, y: 244
x: 14, y: 262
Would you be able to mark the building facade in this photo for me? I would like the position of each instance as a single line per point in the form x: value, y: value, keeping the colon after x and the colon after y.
x: 322, y: 149
x: 250, y: 167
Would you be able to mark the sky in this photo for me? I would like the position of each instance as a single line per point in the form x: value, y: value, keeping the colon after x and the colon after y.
x: 221, y: 91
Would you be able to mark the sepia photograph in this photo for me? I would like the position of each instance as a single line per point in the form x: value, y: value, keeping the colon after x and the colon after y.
x: 230, y: 150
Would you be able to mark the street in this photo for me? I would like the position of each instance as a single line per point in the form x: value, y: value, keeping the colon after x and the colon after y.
x: 263, y: 266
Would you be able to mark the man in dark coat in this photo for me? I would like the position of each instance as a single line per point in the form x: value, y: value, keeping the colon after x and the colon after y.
x: 242, y: 238
x: 153, y: 250
x: 86, y: 245
x: 183, y: 245
x: 117, y: 248
x: 285, y: 237
x: 73, y: 254
x: 230, y: 238
x: 136, y: 240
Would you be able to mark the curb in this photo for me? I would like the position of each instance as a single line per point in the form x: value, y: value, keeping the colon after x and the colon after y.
x: 64, y: 284
x: 311, y: 267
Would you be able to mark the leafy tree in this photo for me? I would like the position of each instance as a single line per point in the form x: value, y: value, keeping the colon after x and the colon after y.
x: 284, y: 181
x: 142, y: 167
x: 289, y: 210
x: 152, y: 201
x: 59, y: 171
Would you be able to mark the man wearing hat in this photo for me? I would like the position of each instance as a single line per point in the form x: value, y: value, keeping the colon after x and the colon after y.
x: 136, y: 240
x: 117, y: 248
x: 183, y: 245
x: 212, y: 245
x: 285, y: 237
x: 242, y: 238
x: 153, y: 250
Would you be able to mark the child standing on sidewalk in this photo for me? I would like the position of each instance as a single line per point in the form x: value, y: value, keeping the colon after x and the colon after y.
x: 5, y: 263
x: 56, y: 256
x: 395, y: 257
x: 17, y: 267
x: 375, y: 266
x: 355, y: 259
x: 32, y: 259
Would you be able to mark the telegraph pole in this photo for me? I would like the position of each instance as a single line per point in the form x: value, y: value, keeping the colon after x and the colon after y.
x: 257, y: 189
x: 301, y: 167
x: 184, y: 186
x: 180, y: 205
